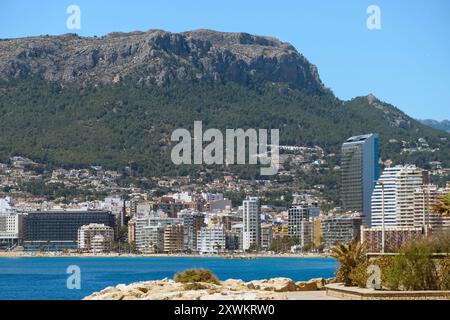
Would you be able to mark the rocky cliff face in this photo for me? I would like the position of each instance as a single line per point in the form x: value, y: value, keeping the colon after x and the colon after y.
x: 156, y: 58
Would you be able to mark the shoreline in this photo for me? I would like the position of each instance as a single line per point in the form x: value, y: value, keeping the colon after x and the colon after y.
x: 279, y: 288
x: 156, y: 255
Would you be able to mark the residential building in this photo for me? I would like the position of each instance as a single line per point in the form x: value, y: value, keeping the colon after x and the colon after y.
x: 340, y: 228
x: 95, y: 238
x: 236, y: 231
x: 251, y: 234
x: 395, y: 237
x: 393, y: 196
x: 10, y: 229
x: 266, y: 236
x: 280, y: 230
x: 149, y: 231
x: 233, y: 240
x: 173, y: 238
x: 360, y: 170
x: 424, y: 198
x: 211, y: 240
x: 151, y: 239
x: 300, y: 222
x: 192, y: 222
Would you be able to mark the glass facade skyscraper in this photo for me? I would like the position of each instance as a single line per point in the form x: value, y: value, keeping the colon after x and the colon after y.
x: 360, y: 171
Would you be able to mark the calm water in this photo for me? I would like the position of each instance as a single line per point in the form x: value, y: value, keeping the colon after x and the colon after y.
x: 45, y: 278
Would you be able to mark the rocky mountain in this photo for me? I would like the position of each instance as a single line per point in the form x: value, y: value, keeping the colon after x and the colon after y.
x: 115, y: 100
x: 157, y: 57
x: 443, y: 125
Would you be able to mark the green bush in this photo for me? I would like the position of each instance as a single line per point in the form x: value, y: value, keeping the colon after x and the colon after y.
x: 196, y: 275
x: 444, y: 274
x: 413, y: 269
x: 385, y: 264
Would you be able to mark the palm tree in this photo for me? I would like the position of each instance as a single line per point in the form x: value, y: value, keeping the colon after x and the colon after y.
x: 349, y: 257
x: 442, y: 206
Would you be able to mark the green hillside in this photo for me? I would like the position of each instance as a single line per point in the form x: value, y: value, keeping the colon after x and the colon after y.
x: 117, y: 124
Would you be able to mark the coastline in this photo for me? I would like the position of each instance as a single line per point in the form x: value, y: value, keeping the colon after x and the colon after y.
x: 156, y: 255
x: 231, y: 289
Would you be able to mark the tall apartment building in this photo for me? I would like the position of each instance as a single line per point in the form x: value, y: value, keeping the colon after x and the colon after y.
x: 251, y: 219
x: 360, y: 170
x: 266, y: 236
x: 424, y: 198
x: 340, y: 228
x: 95, y: 238
x: 394, y: 195
x: 300, y: 222
x: 235, y: 237
x: 192, y: 222
x: 211, y: 240
x: 173, y: 238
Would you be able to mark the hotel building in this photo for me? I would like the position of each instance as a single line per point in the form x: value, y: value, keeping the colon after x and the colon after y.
x: 360, y: 170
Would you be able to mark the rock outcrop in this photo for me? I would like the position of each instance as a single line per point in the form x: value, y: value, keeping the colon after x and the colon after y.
x: 231, y: 289
x: 157, y: 57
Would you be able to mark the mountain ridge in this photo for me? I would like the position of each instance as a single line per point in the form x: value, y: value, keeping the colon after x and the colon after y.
x: 158, y: 57
x: 443, y: 125
x: 116, y: 99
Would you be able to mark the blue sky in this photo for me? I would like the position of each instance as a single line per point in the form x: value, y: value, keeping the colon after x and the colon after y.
x: 406, y: 63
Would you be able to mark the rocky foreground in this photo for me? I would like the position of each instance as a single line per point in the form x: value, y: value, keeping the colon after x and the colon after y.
x: 167, y: 289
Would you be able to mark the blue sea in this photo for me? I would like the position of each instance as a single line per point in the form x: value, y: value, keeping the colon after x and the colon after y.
x: 46, y: 278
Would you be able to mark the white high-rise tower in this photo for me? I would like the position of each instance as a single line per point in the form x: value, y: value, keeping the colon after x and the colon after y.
x: 251, y: 231
x: 397, y: 198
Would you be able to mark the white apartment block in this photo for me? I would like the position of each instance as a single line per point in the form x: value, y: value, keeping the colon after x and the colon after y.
x: 399, y: 183
x: 95, y: 238
x: 10, y: 228
x: 251, y: 223
x: 211, y: 240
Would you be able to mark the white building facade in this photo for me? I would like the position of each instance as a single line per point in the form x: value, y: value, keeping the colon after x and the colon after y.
x: 10, y: 229
x: 211, y: 240
x: 95, y: 238
x: 394, y: 196
x: 251, y: 223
